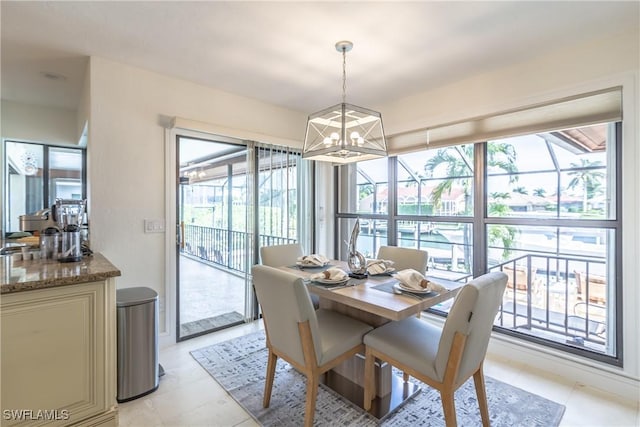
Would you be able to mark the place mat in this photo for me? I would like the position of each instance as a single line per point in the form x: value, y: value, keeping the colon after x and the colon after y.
x: 315, y: 268
x: 388, y: 287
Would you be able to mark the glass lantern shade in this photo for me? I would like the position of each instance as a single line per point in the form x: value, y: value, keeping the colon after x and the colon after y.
x: 344, y: 133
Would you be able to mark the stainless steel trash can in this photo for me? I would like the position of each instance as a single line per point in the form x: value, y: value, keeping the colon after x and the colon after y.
x: 137, y: 314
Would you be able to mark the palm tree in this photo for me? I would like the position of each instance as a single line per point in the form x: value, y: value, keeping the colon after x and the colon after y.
x: 505, y: 234
x: 497, y: 207
x: 586, y: 176
x: 458, y: 164
x: 520, y: 190
x: 365, y: 190
x: 540, y: 192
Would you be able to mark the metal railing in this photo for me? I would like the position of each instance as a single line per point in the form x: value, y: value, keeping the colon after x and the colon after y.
x: 543, y: 297
x: 226, y: 248
x: 543, y: 294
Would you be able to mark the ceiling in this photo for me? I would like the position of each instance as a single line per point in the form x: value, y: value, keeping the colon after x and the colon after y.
x: 283, y: 52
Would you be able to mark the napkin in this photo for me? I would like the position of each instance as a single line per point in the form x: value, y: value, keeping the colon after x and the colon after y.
x: 333, y: 273
x: 313, y: 259
x: 412, y: 279
x: 378, y: 266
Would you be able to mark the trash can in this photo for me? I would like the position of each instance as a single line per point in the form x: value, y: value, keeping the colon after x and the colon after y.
x: 138, y: 367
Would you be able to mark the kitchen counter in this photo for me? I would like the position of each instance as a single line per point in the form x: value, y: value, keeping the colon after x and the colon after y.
x: 58, y: 338
x: 18, y: 276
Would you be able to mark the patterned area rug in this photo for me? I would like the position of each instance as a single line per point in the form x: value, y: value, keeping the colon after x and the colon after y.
x: 239, y: 366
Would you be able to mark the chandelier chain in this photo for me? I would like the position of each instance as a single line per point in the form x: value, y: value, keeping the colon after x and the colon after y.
x: 344, y: 75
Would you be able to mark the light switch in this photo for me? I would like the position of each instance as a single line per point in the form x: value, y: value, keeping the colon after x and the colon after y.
x: 154, y: 225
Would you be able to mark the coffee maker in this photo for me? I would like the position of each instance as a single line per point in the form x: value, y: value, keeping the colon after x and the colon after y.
x: 69, y: 215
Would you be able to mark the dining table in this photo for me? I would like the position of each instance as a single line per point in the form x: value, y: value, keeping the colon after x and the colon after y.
x: 375, y: 300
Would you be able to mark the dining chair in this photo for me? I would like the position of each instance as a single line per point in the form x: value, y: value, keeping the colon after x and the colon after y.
x: 312, y: 341
x: 279, y: 255
x: 404, y: 258
x: 442, y: 357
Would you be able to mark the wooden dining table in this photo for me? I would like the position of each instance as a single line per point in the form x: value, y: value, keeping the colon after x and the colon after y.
x: 373, y: 301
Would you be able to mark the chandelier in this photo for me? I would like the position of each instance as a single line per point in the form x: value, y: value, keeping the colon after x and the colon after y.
x: 344, y: 133
x: 29, y: 163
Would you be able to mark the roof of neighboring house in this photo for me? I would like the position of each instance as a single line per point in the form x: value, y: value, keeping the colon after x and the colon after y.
x: 587, y: 139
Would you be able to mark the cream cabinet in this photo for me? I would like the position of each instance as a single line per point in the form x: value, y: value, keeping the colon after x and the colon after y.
x: 58, y: 355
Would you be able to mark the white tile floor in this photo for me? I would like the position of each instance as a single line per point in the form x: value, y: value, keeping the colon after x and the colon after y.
x: 188, y: 396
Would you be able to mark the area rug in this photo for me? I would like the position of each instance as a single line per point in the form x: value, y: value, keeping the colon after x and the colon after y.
x: 239, y: 365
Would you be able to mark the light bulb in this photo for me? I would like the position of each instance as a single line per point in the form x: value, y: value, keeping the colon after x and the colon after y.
x: 327, y: 141
x: 335, y: 136
x: 30, y: 169
x: 354, y: 135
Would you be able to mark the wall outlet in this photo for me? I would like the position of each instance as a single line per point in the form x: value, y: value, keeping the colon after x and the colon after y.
x: 154, y: 225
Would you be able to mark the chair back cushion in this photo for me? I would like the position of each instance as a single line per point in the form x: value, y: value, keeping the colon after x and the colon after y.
x: 404, y: 258
x: 285, y: 302
x: 473, y: 313
x: 279, y: 255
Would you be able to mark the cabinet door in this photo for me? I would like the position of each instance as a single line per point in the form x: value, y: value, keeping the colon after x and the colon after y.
x: 57, y: 364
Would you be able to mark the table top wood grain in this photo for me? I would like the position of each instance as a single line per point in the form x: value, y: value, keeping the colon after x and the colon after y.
x: 365, y: 299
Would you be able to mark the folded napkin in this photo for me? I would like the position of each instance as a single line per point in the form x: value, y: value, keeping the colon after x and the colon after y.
x: 378, y: 266
x: 333, y: 273
x: 313, y: 259
x: 412, y: 279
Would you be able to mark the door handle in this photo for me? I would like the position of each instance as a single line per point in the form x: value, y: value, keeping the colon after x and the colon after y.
x: 180, y: 235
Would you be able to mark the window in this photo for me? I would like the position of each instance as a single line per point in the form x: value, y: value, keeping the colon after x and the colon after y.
x: 37, y: 175
x: 565, y: 181
x: 542, y: 207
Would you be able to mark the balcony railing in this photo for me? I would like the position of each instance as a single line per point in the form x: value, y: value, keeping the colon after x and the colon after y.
x: 223, y: 247
x: 544, y: 297
x: 552, y: 297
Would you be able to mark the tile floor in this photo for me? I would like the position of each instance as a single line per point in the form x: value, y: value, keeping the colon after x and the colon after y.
x: 188, y: 396
x: 208, y: 291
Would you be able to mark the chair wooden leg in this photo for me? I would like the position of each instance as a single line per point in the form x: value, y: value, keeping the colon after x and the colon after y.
x: 312, y: 395
x: 369, y: 379
x: 449, y: 408
x: 268, y: 384
x: 481, y: 392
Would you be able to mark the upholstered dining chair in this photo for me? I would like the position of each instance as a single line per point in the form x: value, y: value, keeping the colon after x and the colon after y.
x: 312, y: 341
x: 442, y: 357
x: 404, y: 258
x: 279, y: 255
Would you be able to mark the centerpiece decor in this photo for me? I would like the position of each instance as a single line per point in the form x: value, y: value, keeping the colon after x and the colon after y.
x: 356, y: 262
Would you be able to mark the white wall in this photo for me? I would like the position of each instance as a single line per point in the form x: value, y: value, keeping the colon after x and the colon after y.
x: 126, y: 155
x: 34, y: 123
x: 83, y: 115
x: 592, y: 66
x: 560, y: 73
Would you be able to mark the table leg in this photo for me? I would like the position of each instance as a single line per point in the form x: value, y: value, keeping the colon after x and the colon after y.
x: 347, y: 379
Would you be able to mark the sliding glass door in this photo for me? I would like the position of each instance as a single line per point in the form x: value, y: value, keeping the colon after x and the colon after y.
x: 232, y: 198
x: 213, y: 249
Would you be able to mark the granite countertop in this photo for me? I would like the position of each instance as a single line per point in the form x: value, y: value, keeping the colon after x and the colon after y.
x: 18, y: 276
